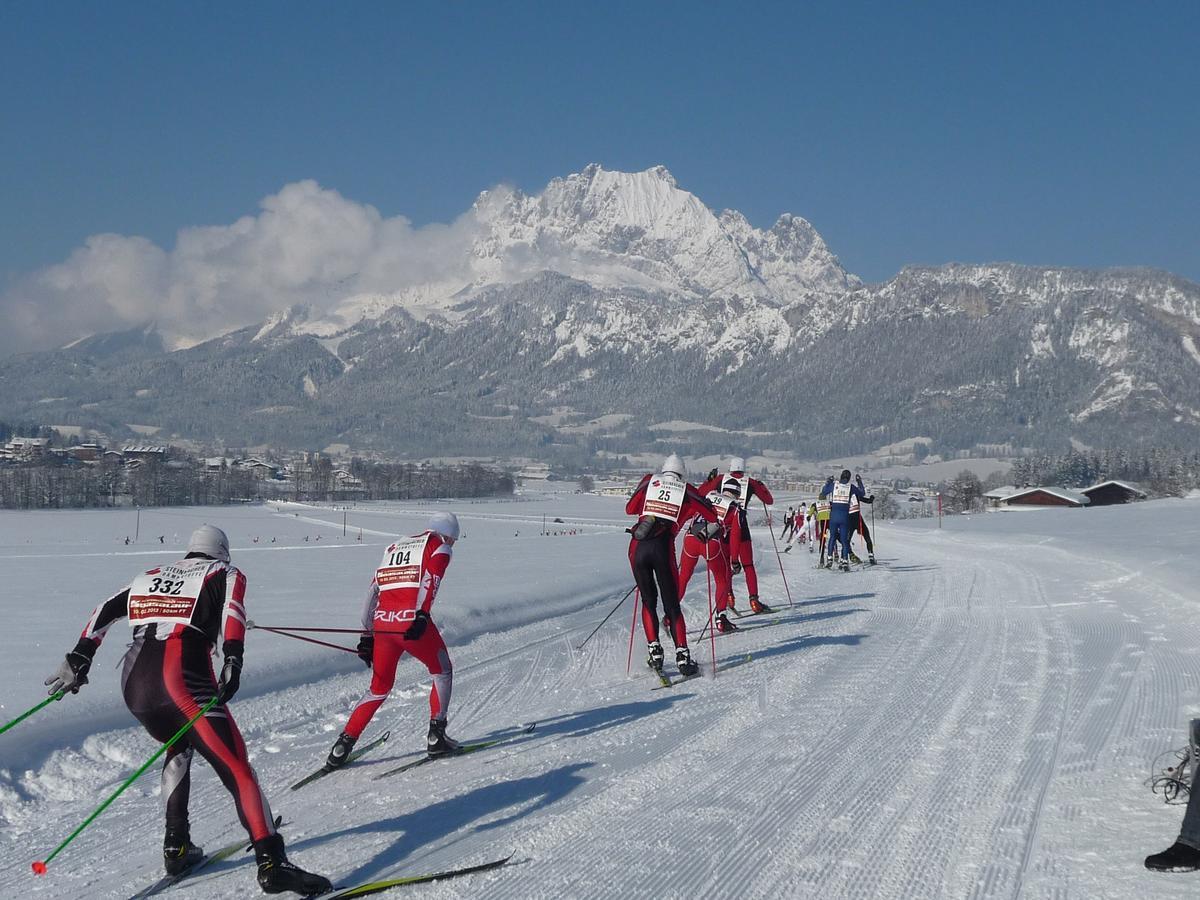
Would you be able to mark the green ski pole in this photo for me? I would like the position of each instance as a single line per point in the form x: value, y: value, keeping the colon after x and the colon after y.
x: 58, y: 695
x: 39, y: 868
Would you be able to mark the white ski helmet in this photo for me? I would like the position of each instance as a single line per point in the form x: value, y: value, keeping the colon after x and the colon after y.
x: 445, y: 524
x: 737, y: 464
x: 211, y: 541
x: 674, y: 465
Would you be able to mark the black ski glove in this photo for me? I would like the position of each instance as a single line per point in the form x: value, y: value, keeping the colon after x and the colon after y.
x: 231, y: 672
x: 858, y: 480
x: 366, y: 649
x: 737, y: 567
x: 711, y: 474
x: 417, y: 628
x: 72, y: 674
x: 870, y: 499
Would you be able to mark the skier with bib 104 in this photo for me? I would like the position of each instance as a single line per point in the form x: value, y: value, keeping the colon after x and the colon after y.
x: 748, y: 489
x: 718, y: 542
x: 396, y: 621
x: 663, y: 502
x: 177, y: 613
x: 839, y: 495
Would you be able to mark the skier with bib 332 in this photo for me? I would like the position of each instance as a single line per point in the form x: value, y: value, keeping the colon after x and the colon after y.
x: 396, y: 621
x: 177, y: 613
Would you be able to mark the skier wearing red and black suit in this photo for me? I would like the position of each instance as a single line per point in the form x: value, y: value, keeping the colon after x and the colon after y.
x: 177, y: 613
x: 719, y: 542
x: 662, y: 503
x: 396, y: 621
x: 749, y: 489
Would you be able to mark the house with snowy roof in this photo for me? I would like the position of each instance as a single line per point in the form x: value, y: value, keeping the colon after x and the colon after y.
x: 1042, y: 497
x: 1108, y: 493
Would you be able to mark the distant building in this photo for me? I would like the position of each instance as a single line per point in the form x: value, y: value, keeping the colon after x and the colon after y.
x: 260, y: 469
x: 24, y: 449
x: 996, y: 496
x: 142, y: 452
x: 85, y: 452
x: 1034, y: 497
x: 1108, y: 493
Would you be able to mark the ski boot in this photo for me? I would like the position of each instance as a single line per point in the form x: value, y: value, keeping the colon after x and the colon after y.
x: 870, y: 559
x: 844, y: 565
x: 179, y: 853
x: 655, y: 656
x: 1179, y: 857
x: 854, y: 557
x: 829, y: 562
x: 724, y: 626
x: 437, y: 742
x: 277, y: 876
x: 758, y: 607
x: 683, y: 661
x: 340, y: 752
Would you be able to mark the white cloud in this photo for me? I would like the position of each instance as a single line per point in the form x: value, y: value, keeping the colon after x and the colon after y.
x: 307, y: 244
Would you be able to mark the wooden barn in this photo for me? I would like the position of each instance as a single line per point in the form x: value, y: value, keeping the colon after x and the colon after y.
x: 1045, y: 496
x: 1108, y: 493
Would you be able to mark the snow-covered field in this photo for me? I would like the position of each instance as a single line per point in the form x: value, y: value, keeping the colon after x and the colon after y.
x: 972, y: 718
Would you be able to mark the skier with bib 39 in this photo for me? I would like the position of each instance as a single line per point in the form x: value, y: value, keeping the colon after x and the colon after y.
x: 718, y: 542
x: 396, y: 621
x: 663, y: 502
x: 178, y: 612
x: 748, y: 489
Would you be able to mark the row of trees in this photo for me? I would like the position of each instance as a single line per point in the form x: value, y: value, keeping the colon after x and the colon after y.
x: 1166, y: 471
x: 53, y: 484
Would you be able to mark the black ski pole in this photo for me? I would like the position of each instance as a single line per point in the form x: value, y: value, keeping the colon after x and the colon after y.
x: 606, y: 618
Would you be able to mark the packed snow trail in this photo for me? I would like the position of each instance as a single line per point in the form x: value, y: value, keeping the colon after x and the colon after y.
x: 974, y: 717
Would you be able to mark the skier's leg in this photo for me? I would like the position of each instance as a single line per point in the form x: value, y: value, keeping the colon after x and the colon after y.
x: 746, y: 556
x: 641, y: 555
x: 688, y: 558
x: 718, y: 561
x: 388, y: 650
x: 866, y: 533
x: 667, y: 572
x: 177, y: 785
x: 431, y: 650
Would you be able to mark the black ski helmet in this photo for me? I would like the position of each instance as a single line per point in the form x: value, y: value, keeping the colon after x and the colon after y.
x: 844, y: 478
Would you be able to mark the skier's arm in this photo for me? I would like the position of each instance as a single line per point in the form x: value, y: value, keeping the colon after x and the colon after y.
x: 435, y: 571
x: 758, y: 489
x: 111, y: 610
x: 369, y: 607
x: 698, y: 504
x: 712, y: 484
x: 233, y: 609
x: 634, y: 506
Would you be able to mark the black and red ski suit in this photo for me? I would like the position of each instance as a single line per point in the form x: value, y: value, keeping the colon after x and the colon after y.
x: 652, y: 559
x: 168, y: 676
x: 754, y: 488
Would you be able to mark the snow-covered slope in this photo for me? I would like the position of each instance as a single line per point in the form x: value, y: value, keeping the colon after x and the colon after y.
x: 972, y: 718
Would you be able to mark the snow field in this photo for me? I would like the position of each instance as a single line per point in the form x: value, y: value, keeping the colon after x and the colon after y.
x: 972, y: 718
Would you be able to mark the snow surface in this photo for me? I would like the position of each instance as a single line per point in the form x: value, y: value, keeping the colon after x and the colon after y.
x: 972, y: 718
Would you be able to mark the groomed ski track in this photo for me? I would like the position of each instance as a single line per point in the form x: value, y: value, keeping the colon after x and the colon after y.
x: 972, y: 718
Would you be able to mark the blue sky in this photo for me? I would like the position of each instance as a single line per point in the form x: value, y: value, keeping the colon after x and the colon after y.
x: 1059, y: 133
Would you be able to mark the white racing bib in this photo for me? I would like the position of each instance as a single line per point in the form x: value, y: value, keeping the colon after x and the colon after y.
x: 841, y: 493
x: 402, y: 564
x: 169, y: 594
x: 664, y: 497
x: 721, y: 503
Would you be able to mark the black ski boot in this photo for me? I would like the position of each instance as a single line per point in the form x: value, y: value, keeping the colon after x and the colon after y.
x: 437, y: 742
x: 655, y: 655
x: 844, y: 565
x: 340, y: 752
x: 870, y: 559
x: 1179, y: 857
x: 683, y: 661
x: 724, y: 626
x: 276, y: 875
x: 179, y: 853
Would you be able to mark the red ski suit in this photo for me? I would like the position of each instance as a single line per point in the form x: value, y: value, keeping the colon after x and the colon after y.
x: 717, y: 552
x: 753, y: 488
x: 401, y: 586
x: 652, y: 558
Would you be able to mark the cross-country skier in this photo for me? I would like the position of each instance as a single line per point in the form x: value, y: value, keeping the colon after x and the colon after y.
x: 789, y: 524
x: 177, y: 613
x: 810, y: 527
x: 663, y: 502
x: 858, y: 524
x: 799, y: 530
x: 718, y: 542
x: 839, y: 496
x: 822, y: 519
x: 749, y: 488
x: 396, y: 621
